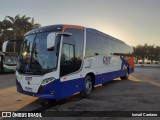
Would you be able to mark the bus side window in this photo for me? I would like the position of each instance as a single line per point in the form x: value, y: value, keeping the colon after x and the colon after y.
x: 93, y: 47
x: 67, y: 59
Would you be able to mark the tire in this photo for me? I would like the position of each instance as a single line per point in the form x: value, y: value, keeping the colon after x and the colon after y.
x: 88, y: 86
x: 47, y: 102
x: 126, y: 76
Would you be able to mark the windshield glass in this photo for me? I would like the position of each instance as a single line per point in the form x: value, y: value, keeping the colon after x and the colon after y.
x: 34, y: 54
x: 10, y: 59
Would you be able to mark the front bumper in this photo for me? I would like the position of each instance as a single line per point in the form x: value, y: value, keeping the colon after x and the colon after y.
x: 49, y: 91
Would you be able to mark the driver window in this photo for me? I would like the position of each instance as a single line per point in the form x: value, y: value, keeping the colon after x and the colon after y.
x: 67, y: 59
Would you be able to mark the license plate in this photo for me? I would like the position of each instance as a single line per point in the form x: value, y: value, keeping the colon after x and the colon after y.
x: 28, y: 89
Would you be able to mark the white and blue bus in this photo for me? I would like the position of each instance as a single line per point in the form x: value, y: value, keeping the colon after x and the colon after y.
x: 59, y: 60
x: 10, y: 51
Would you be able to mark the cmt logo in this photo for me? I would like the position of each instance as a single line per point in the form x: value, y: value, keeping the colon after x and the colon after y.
x: 28, y: 78
x: 106, y: 60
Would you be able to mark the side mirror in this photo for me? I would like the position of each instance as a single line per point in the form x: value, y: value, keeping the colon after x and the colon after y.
x: 4, y: 46
x: 51, y: 41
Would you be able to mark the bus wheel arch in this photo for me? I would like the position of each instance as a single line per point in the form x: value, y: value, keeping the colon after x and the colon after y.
x: 88, y: 85
x: 92, y: 75
x: 126, y: 76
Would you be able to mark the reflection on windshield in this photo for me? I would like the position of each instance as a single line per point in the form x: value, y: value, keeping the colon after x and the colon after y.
x: 35, y: 56
x: 41, y: 56
x: 27, y: 48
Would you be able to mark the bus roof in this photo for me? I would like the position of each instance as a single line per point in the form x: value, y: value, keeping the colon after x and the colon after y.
x: 58, y: 28
x: 62, y: 27
x: 105, y: 35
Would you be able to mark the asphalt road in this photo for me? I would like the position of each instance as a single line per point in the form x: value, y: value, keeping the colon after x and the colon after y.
x: 139, y: 93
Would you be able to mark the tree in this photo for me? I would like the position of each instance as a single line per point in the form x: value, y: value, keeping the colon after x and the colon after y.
x: 21, y: 25
x: 6, y: 34
x: 16, y: 27
x: 140, y: 52
x: 157, y: 53
x: 149, y: 52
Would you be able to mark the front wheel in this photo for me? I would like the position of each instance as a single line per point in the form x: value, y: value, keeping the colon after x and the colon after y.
x: 87, y: 87
x: 47, y: 102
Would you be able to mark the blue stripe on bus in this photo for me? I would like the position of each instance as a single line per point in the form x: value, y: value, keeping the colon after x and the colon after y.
x: 124, y: 62
x: 67, y: 88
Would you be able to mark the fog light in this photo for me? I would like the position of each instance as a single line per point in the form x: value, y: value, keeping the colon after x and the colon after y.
x: 52, y: 92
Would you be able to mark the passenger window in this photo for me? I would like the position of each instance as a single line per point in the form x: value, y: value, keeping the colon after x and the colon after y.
x: 71, y: 51
x: 105, y: 45
x: 92, y: 45
x: 67, y: 59
x: 67, y: 54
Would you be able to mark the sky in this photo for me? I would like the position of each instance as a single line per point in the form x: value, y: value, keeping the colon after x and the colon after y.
x: 132, y: 21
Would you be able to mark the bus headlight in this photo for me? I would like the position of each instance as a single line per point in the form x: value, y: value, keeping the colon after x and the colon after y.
x: 48, y: 80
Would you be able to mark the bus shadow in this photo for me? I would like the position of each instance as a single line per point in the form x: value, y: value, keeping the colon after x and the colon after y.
x: 38, y: 105
x: 108, y: 91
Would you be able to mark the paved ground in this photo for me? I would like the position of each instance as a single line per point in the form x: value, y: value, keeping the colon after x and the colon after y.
x: 139, y: 93
x: 10, y: 99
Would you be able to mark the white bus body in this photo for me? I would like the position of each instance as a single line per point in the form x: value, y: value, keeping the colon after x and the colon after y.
x: 80, y: 58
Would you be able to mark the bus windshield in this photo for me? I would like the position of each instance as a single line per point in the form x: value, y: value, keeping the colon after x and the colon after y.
x: 11, y: 51
x: 35, y: 58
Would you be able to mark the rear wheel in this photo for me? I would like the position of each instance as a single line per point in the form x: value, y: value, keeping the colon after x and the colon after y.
x: 126, y: 76
x: 88, y: 85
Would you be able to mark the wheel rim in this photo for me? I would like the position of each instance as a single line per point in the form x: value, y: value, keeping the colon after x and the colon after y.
x: 88, y: 86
